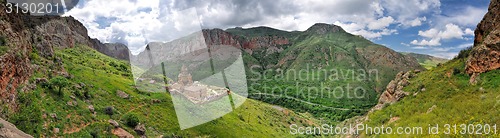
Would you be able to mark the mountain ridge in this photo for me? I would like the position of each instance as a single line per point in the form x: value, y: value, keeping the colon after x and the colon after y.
x: 321, y: 47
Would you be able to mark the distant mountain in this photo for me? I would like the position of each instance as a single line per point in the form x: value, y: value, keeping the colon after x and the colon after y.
x: 94, y: 88
x: 426, y: 61
x: 323, y: 48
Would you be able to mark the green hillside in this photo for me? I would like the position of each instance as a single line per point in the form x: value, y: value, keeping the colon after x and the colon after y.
x: 94, y: 79
x: 442, y: 96
x: 426, y: 61
x: 322, y: 71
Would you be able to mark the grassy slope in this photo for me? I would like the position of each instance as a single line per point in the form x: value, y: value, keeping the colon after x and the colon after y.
x: 456, y: 101
x: 427, y: 61
x: 106, y: 75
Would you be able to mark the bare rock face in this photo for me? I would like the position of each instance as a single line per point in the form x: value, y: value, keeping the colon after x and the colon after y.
x: 22, y: 34
x: 323, y: 28
x: 394, y: 91
x: 116, y: 50
x: 114, y: 123
x: 8, y: 130
x: 485, y: 55
x: 121, y: 133
x: 15, y: 66
x: 122, y: 94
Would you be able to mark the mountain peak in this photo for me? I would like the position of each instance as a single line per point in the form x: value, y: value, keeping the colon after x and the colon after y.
x: 323, y: 28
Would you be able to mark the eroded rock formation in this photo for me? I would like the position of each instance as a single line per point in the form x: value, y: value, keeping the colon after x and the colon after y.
x: 485, y: 55
x: 394, y: 91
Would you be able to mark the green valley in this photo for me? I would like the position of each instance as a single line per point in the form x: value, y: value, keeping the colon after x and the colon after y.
x: 95, y: 80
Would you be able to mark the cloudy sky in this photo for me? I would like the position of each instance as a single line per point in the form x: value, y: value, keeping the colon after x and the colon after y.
x: 436, y: 27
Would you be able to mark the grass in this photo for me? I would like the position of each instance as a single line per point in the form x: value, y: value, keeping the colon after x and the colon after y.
x: 427, y: 61
x: 102, y: 76
x: 3, y: 50
x: 455, y: 101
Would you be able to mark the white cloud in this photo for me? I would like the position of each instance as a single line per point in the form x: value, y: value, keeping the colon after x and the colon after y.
x: 416, y: 22
x: 381, y: 23
x: 451, y: 31
x: 432, y: 42
x: 431, y: 33
x: 407, y: 12
x: 405, y: 44
x: 469, y: 31
x: 468, y: 16
x: 137, y: 22
x: 435, y: 35
x: 374, y: 34
x: 134, y: 23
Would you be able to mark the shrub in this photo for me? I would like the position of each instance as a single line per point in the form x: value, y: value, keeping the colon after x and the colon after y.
x: 109, y: 110
x: 241, y: 117
x: 3, y: 41
x: 131, y: 120
x: 456, y: 71
x: 94, y: 133
x: 464, y: 53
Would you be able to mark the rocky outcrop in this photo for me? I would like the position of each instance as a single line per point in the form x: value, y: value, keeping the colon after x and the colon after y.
x: 23, y: 35
x: 323, y: 28
x: 394, y: 91
x: 115, y: 50
x: 15, y: 66
x: 485, y: 54
x: 8, y: 130
x: 271, y: 43
x: 196, y: 44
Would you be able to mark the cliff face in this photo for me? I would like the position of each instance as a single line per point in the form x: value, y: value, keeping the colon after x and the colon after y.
x: 23, y: 35
x: 208, y: 38
x: 15, y: 66
x: 249, y: 44
x: 485, y: 55
x: 115, y: 50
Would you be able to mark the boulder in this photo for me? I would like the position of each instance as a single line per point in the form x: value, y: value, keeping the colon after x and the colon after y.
x: 114, y: 123
x: 121, y: 133
x: 140, y: 129
x: 91, y: 108
x: 41, y: 80
x: 55, y: 130
x: 122, y: 94
x: 8, y: 130
x: 53, y: 115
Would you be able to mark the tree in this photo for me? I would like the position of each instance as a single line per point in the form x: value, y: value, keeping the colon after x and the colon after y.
x: 60, y: 82
x: 131, y: 120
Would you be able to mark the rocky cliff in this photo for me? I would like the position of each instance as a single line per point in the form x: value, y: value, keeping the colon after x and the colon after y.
x: 394, y: 90
x: 23, y: 36
x: 485, y: 55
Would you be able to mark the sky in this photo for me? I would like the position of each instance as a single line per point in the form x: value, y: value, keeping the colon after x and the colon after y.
x: 436, y: 27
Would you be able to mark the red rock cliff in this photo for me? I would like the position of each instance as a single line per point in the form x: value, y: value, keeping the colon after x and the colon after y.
x: 485, y: 55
